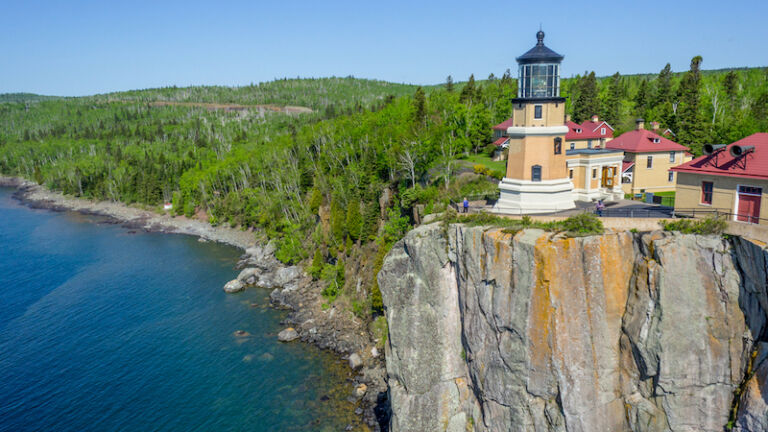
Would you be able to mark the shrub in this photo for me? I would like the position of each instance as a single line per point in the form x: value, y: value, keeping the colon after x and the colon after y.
x: 709, y: 225
x: 316, y: 269
x: 498, y: 175
x: 379, y: 330
x: 490, y: 149
x: 289, y: 249
x: 481, y: 169
x: 583, y: 224
x: 334, y: 276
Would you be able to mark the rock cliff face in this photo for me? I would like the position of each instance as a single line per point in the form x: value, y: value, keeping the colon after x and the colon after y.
x: 491, y: 331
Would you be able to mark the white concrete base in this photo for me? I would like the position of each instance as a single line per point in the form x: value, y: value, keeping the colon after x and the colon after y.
x: 528, y: 197
x: 605, y: 194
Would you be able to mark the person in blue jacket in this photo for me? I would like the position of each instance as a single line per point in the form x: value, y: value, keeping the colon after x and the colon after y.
x: 466, y: 205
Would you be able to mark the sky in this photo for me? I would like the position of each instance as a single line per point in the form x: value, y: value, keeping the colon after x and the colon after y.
x: 74, y: 48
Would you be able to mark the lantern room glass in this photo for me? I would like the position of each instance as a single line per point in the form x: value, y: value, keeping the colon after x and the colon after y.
x: 539, y: 80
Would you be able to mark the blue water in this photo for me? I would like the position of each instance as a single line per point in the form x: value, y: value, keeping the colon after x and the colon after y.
x: 104, y: 329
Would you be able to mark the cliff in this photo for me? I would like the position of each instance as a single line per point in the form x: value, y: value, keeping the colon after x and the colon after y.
x: 494, y: 331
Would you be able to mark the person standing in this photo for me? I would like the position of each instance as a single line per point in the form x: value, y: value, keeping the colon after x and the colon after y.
x: 466, y: 205
x: 599, y: 207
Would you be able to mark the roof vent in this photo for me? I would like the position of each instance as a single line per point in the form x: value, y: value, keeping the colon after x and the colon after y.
x: 711, y: 149
x: 656, y: 140
x: 578, y: 130
x: 738, y: 151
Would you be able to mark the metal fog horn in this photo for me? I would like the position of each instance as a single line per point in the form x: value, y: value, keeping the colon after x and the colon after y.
x: 712, y: 148
x: 738, y: 150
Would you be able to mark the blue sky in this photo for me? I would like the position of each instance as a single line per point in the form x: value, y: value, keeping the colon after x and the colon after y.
x: 86, y: 47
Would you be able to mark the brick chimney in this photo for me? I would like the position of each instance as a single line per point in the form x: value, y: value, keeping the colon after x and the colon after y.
x: 655, y: 126
x: 640, y: 124
x: 595, y: 118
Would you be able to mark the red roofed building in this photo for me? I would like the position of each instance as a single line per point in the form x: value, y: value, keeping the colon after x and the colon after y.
x: 648, y: 157
x: 592, y: 133
x: 500, y: 130
x: 732, y: 179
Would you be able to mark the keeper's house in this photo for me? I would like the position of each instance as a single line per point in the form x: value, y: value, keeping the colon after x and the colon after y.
x: 732, y: 179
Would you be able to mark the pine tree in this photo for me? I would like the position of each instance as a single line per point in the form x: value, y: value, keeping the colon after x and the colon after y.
x: 469, y: 92
x: 338, y: 220
x: 641, y: 99
x: 587, y: 103
x: 690, y: 124
x: 506, y: 79
x: 354, y: 220
x: 449, y: 84
x: 664, y: 86
x: 730, y: 83
x: 419, y: 106
x: 317, y: 265
x: 612, y: 104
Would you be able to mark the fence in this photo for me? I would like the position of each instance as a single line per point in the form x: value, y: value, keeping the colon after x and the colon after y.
x: 728, y: 215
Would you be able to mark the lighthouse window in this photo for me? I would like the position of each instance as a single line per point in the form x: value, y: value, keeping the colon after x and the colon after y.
x: 536, y: 173
x: 558, y: 145
x: 537, y: 112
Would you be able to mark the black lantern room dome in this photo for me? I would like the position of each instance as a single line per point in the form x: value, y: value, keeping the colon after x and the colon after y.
x: 539, y: 73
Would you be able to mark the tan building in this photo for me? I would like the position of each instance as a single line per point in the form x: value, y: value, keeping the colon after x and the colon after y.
x: 648, y: 158
x: 731, y: 180
x: 595, y: 174
x: 536, y: 180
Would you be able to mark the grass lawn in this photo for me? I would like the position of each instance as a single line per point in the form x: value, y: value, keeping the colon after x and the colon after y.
x: 482, y: 159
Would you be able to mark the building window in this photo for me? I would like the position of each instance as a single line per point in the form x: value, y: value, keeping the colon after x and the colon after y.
x: 672, y: 157
x: 558, y: 145
x: 650, y: 162
x: 570, y: 173
x: 671, y: 177
x: 589, y: 144
x: 573, y: 146
x: 750, y: 190
x: 536, y: 173
x: 706, y: 192
x: 594, y: 173
x: 602, y: 131
x: 537, y: 111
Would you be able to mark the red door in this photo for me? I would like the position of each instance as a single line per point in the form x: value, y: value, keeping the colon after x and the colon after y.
x: 749, y: 208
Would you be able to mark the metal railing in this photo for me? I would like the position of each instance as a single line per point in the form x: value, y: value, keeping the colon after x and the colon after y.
x: 724, y: 213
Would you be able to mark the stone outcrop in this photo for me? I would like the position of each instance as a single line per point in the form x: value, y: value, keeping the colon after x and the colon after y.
x: 495, y: 331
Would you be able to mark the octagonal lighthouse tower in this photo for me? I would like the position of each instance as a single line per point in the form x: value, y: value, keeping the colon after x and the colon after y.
x: 537, y: 178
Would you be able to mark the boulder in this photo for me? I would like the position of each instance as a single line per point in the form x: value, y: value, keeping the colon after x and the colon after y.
x: 355, y: 362
x: 233, y: 286
x: 248, y: 276
x: 360, y: 390
x: 288, y: 335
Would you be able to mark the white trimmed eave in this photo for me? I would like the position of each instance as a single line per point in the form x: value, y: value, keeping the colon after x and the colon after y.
x: 520, y: 131
x: 594, y: 161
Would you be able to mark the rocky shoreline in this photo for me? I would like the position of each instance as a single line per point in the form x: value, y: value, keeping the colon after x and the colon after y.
x: 328, y: 328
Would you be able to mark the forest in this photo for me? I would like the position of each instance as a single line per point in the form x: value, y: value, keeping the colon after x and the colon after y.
x: 337, y: 186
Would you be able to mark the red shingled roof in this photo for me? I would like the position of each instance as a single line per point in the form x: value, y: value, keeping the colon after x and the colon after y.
x: 641, y: 141
x: 589, y: 130
x: 501, y: 141
x: 625, y: 165
x: 753, y: 164
x: 503, y: 126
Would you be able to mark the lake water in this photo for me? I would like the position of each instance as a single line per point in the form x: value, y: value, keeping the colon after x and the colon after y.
x: 105, y: 329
